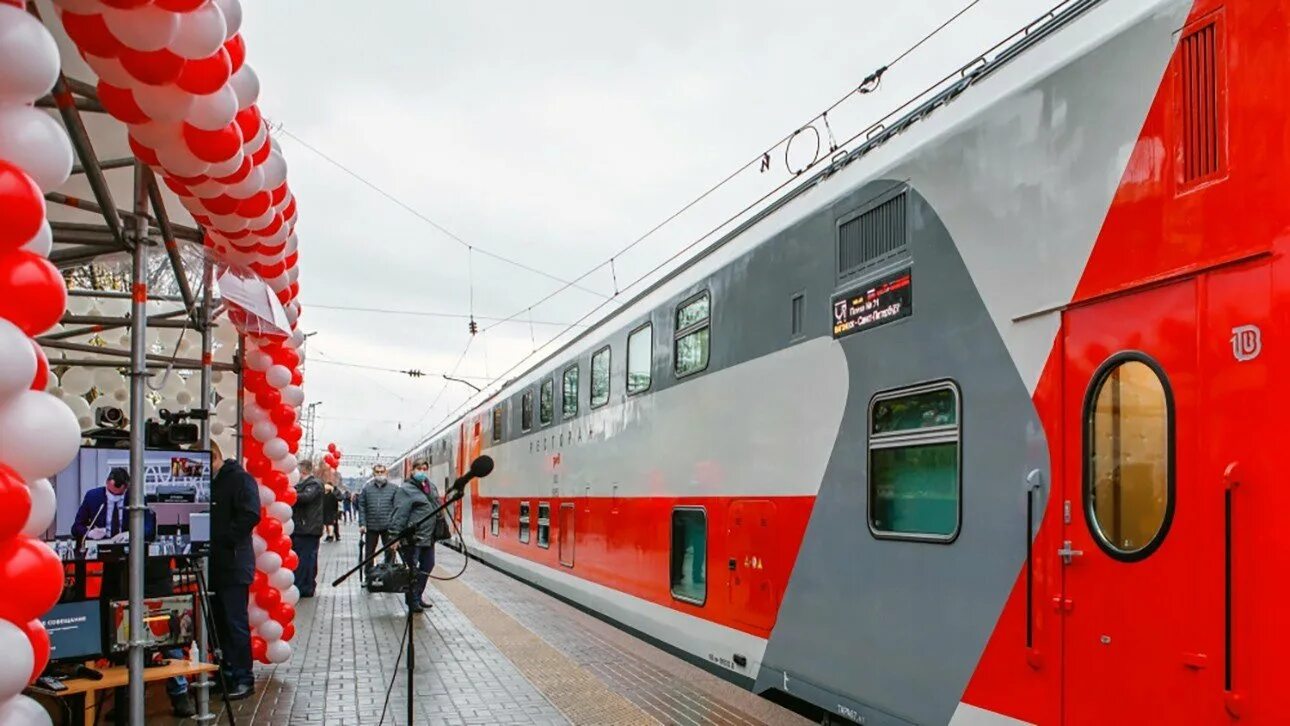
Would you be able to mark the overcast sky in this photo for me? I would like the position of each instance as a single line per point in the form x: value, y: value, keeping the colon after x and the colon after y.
x: 554, y: 133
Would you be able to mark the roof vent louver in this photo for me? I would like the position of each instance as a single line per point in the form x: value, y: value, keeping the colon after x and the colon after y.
x: 872, y: 235
x: 1202, y: 114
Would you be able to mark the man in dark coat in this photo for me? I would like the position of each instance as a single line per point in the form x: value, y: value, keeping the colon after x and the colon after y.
x: 235, y: 510
x: 375, y: 503
x: 308, y: 516
x: 331, y: 511
x: 414, y: 499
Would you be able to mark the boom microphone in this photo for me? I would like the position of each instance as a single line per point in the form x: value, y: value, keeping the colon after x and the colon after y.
x: 479, y: 468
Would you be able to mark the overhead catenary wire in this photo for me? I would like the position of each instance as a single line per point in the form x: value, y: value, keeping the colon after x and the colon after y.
x: 424, y: 313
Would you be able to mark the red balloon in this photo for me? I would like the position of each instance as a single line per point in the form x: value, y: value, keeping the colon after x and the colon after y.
x: 90, y: 33
x: 332, y: 447
x: 269, y: 528
x: 179, y: 6
x: 207, y: 75
x: 268, y: 598
x: 125, y: 4
x: 289, y: 210
x: 236, y: 48
x: 259, y: 580
x: 254, y: 205
x: 15, y: 503
x: 294, y: 446
x: 279, y: 194
x: 41, y: 379
x: 282, y: 545
x: 40, y: 646
x: 267, y: 399
x: 258, y: 648
x: 22, y: 207
x: 145, y: 154
x: 31, y: 576
x: 153, y: 67
x: 330, y: 460
x: 213, y: 146
x: 285, y: 296
x: 253, y: 381
x: 180, y: 188
x: 288, y: 631
x: 270, y: 229
x: 221, y: 204
x: 34, y: 293
x: 249, y: 120
x: 289, y: 497
x: 242, y: 172
x: 283, y: 416
x: 278, y: 481
x: 259, y: 156
x: 290, y: 260
x: 259, y: 467
x: 297, y: 377
x: 293, y: 433
x: 291, y: 560
x: 284, y: 614
x: 121, y: 104
x: 287, y: 357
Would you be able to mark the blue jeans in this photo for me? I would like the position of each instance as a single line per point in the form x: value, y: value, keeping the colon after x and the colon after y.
x: 178, y: 685
x: 421, y: 559
x: 306, y: 547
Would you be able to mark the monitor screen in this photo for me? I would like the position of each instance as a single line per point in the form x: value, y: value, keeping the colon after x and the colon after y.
x: 91, y: 518
x: 167, y: 621
x: 75, y: 630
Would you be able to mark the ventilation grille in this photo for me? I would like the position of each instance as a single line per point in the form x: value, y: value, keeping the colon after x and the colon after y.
x: 872, y: 236
x: 1202, y: 148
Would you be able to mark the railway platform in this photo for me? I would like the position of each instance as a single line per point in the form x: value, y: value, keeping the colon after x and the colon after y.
x: 492, y: 650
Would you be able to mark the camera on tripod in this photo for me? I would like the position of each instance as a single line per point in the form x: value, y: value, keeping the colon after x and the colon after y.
x: 170, y: 431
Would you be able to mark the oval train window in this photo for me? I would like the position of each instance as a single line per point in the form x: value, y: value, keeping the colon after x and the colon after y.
x: 1129, y: 445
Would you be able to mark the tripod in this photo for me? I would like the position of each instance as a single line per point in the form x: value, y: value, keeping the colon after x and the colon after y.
x: 408, y: 643
x: 203, y: 595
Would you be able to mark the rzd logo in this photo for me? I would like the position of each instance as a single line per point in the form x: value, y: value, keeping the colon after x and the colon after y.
x: 1247, y: 342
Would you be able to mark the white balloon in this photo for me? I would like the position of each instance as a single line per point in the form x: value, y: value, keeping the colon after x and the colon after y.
x: 165, y: 104
x: 289, y: 527
x: 247, y: 86
x: 286, y: 464
x: 268, y: 562
x: 184, y: 399
x: 278, y: 284
x: 213, y: 112
x: 293, y: 313
x: 267, y: 497
x: 17, y: 360
x: 251, y: 185
x: 37, y: 144
x: 230, y: 223
x: 110, y: 70
x: 181, y: 161
x: 232, y: 10
x: 279, y: 651
x: 297, y: 336
x: 280, y: 511
x: 291, y: 595
x: 217, y: 428
x: 222, y: 169
x: 293, y: 477
x: 252, y: 412
x: 278, y: 376
x: 256, y: 615
x: 15, y: 667
x: 29, y: 56
x: 293, y: 274
x: 282, y: 579
x: 201, y: 33
x: 43, y: 508
x: 258, y: 544
x: 145, y: 28
x: 121, y: 395
x: 275, y: 170
x: 271, y: 630
x: 24, y: 711
x: 264, y: 431
x: 276, y: 448
x: 258, y: 360
x: 39, y: 435
x: 226, y: 409
x: 107, y: 379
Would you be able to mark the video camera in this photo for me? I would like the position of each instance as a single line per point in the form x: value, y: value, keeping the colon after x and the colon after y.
x: 170, y: 432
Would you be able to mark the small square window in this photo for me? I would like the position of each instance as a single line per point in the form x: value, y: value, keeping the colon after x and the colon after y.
x: 524, y: 522
x: 499, y: 419
x: 689, y: 558
x: 640, y: 358
x: 495, y: 518
x: 914, y: 478
x: 693, y: 335
x: 600, y: 378
x: 797, y: 305
x: 526, y: 411
x: 546, y: 402
x: 569, y: 392
x: 544, y: 525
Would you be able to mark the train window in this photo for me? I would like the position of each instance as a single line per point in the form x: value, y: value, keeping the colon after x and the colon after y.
x: 1128, y: 478
x: 546, y: 402
x: 569, y: 392
x: 796, y: 306
x: 640, y: 356
x: 499, y: 419
x: 693, y: 335
x: 526, y: 411
x: 495, y: 518
x: 600, y: 377
x: 524, y: 522
x: 914, y: 464
x: 689, y: 557
x: 544, y: 525
x: 566, y: 534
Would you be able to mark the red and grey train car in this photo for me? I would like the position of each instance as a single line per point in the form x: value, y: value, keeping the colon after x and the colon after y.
x: 976, y: 427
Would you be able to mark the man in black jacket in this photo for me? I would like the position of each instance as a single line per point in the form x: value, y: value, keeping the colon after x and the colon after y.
x: 235, y: 510
x: 308, y: 516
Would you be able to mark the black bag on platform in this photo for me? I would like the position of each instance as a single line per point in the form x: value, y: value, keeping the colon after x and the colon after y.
x: 441, y: 530
x: 389, y: 577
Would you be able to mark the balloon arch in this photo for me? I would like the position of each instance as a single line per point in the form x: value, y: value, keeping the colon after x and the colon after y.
x: 168, y: 82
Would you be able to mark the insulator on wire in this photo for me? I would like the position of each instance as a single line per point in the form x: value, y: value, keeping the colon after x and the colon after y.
x: 474, y: 327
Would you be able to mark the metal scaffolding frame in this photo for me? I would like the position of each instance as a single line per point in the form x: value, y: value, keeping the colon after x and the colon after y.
x: 147, y: 224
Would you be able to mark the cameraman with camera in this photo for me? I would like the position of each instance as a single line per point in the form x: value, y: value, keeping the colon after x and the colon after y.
x: 414, y: 499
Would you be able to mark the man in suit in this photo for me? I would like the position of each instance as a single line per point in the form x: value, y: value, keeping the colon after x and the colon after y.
x: 104, y: 512
x: 235, y: 510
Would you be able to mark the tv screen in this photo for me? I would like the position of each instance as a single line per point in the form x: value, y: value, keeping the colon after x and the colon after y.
x: 92, y: 520
x: 75, y: 630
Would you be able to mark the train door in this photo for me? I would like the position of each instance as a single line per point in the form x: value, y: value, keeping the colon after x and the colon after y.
x: 1139, y: 630
x: 751, y: 543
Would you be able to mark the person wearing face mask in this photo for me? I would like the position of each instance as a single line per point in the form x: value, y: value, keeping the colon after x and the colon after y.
x: 414, y: 499
x: 104, y: 512
x: 375, y: 505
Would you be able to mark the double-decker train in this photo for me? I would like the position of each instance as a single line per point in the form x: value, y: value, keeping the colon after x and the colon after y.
x: 973, y: 427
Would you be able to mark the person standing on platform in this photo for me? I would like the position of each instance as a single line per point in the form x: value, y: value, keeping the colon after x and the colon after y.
x: 413, y: 500
x: 308, y: 515
x: 235, y: 510
x: 331, y: 513
x: 375, y: 505
x: 347, y: 501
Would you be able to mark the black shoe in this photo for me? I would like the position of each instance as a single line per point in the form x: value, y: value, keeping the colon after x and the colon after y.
x: 181, y: 706
x: 426, y: 605
x: 239, y: 691
x: 416, y: 607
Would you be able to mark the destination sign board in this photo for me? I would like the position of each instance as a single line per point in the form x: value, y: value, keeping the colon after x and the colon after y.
x: 882, y: 301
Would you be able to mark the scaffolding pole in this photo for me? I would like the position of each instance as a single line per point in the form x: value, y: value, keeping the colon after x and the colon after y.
x: 138, y: 413
x: 203, y: 695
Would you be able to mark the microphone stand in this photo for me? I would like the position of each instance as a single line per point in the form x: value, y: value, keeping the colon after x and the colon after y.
x: 455, y: 494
